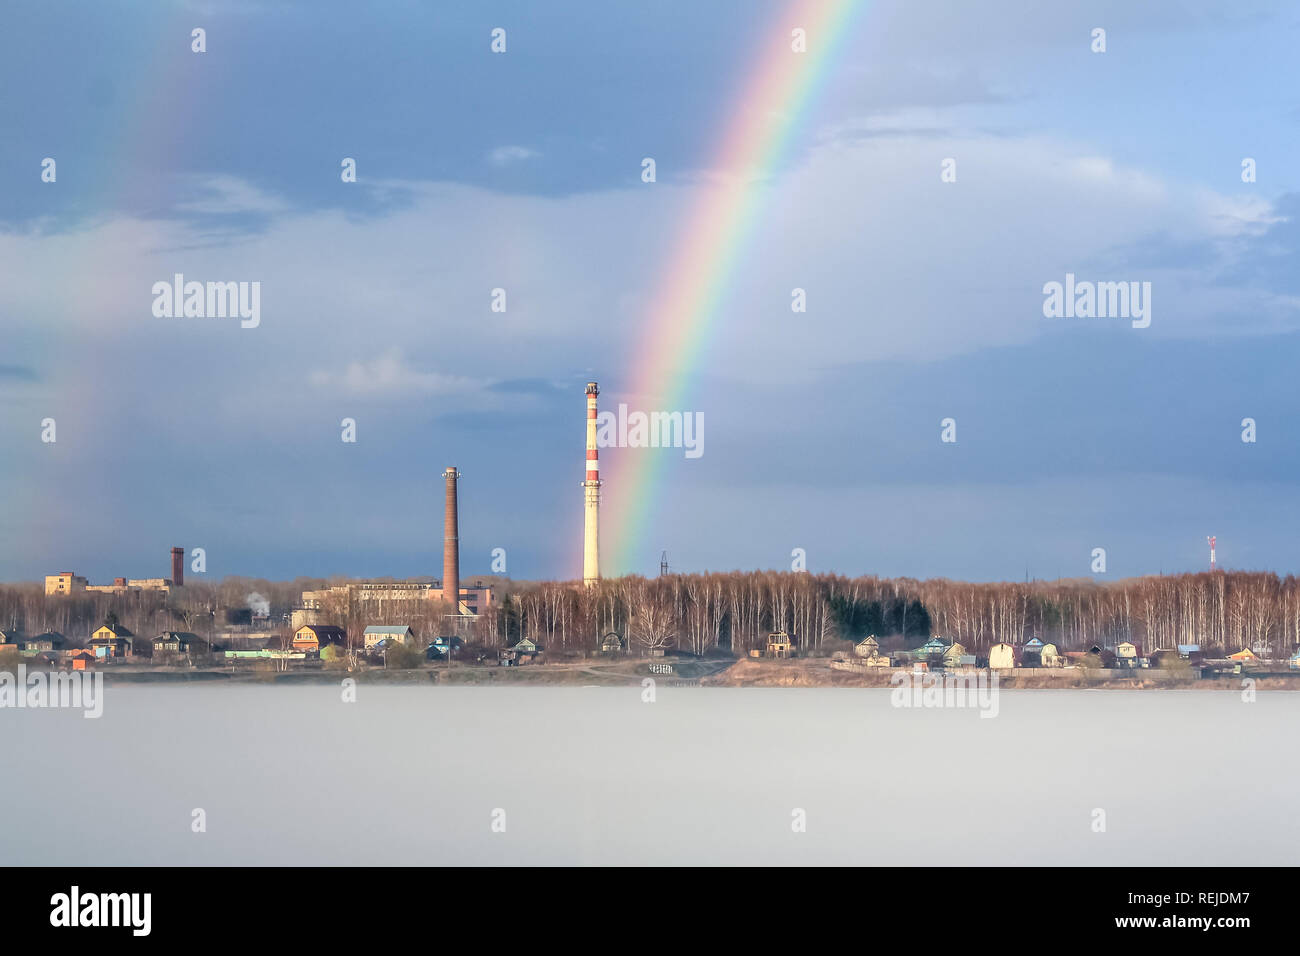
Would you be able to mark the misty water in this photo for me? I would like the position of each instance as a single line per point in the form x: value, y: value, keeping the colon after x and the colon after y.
x: 413, y: 775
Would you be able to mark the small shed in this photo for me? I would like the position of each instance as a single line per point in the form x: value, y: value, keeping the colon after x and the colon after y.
x: 79, y: 660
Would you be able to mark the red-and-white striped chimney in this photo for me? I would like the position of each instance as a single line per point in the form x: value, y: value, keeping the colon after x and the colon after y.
x: 591, y: 496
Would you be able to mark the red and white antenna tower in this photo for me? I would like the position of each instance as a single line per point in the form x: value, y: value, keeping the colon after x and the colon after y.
x: 1211, y: 539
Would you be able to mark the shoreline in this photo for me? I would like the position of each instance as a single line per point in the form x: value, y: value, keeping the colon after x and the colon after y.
x: 800, y: 672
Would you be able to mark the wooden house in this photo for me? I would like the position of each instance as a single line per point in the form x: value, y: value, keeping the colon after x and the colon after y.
x: 112, y: 641
x: 867, y: 647
x: 390, y: 633
x: 1031, y: 653
x: 931, y: 650
x: 611, y: 644
x: 313, y: 637
x: 176, y: 644
x: 1002, y: 656
x: 79, y: 660
x: 779, y: 645
x: 49, y: 641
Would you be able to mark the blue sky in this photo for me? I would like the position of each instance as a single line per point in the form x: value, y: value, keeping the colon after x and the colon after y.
x: 522, y: 171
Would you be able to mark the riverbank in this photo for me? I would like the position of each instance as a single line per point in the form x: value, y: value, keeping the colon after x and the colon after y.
x: 799, y: 672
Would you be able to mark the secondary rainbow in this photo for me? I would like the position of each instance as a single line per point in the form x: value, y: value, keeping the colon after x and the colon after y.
x: 771, y: 108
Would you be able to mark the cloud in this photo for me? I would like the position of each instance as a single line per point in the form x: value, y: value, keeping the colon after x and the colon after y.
x: 227, y: 195
x: 17, y: 373
x: 390, y: 374
x: 506, y: 155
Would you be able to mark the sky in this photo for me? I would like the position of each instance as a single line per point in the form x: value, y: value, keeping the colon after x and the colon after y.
x: 522, y: 171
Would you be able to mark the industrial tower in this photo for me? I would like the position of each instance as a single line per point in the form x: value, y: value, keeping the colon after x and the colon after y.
x: 451, y: 543
x: 591, y: 497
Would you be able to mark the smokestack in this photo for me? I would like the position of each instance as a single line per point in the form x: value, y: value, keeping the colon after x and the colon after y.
x: 591, y: 497
x: 178, y: 567
x: 451, y: 544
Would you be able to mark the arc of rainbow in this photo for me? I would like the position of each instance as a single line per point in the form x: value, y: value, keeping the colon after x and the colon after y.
x: 687, y: 304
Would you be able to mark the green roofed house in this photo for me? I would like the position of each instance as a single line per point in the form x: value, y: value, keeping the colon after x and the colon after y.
x: 934, y: 647
x: 388, y: 632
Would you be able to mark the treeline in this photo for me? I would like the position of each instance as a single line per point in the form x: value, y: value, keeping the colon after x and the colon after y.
x: 735, y: 611
x: 199, y: 607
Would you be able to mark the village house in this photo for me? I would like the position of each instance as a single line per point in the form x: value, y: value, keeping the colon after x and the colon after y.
x: 1002, y: 656
x: 175, y: 644
x: 867, y: 647
x: 779, y: 645
x: 1049, y: 656
x: 1126, y: 654
x: 1031, y: 653
x: 1294, y: 662
x: 314, y: 637
x: 112, y: 641
x: 611, y: 644
x: 443, y: 647
x: 41, y: 643
x: 399, y: 633
x: 954, y: 655
x: 931, y: 650
x: 1244, y: 656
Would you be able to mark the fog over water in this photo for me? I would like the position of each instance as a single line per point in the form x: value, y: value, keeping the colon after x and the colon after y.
x: 412, y: 775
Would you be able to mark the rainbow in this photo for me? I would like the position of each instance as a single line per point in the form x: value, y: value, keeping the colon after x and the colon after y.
x: 773, y: 106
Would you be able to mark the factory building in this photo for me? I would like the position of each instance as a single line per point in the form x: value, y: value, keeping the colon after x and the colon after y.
x: 65, y: 582
x: 472, y: 600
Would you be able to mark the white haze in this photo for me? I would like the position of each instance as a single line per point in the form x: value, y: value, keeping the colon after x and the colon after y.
x: 411, y: 775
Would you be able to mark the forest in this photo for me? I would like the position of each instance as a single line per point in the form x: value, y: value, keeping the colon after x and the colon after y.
x: 733, y: 612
